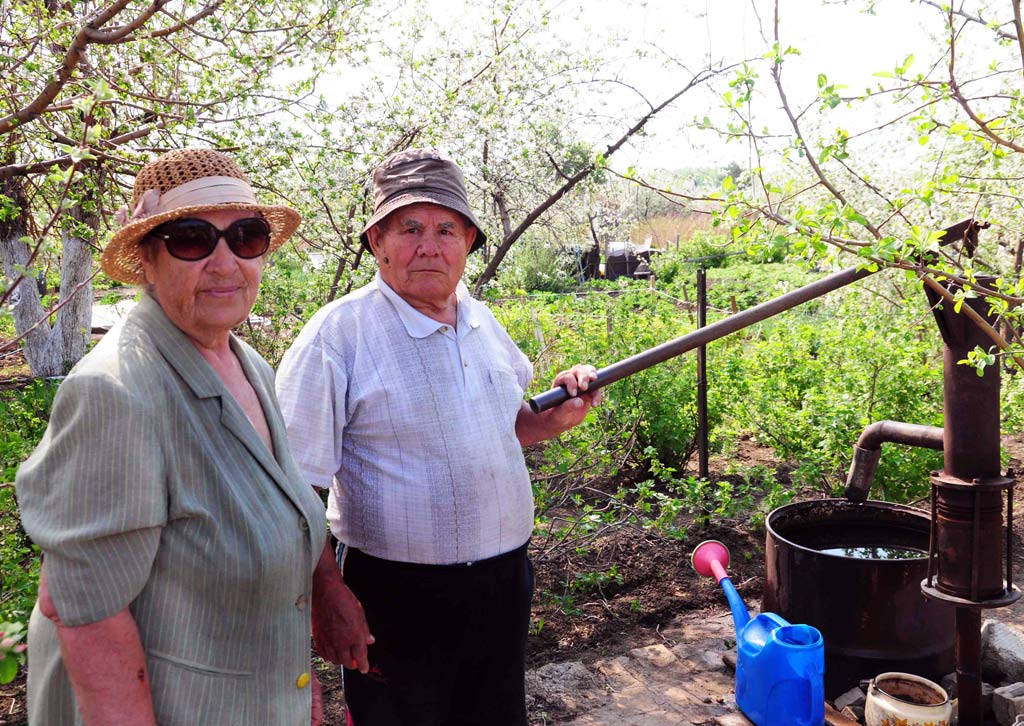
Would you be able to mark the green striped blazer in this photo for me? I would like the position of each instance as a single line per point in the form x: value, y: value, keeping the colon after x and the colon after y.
x: 151, y: 488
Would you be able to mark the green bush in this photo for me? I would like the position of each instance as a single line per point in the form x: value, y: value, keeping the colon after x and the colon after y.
x: 805, y: 383
x: 808, y: 386
x: 540, y: 266
x: 25, y: 412
x: 12, y: 650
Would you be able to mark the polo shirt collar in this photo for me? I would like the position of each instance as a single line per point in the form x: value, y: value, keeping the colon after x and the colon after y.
x: 418, y: 325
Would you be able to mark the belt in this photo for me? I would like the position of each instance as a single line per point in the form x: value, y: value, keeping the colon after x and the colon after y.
x: 511, y: 554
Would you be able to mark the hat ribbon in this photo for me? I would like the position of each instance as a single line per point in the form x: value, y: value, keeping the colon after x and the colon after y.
x: 198, y: 192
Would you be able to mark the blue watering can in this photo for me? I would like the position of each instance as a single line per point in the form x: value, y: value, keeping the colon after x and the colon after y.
x: 780, y: 667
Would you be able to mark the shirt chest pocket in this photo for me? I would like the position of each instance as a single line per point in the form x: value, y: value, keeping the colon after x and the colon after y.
x: 501, y: 393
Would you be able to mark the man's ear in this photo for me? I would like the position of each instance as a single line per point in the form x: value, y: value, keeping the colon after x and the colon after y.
x: 471, y: 232
x: 373, y: 236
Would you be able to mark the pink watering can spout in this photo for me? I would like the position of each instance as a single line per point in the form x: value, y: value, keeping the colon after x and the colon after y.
x: 709, y: 559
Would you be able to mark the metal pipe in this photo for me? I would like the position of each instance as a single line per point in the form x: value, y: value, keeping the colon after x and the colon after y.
x: 897, y: 432
x: 702, y: 336
x: 1009, y: 538
x: 968, y: 520
x: 968, y: 666
x: 868, y: 450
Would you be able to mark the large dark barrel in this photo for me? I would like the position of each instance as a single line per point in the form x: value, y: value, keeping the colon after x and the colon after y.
x: 870, y: 611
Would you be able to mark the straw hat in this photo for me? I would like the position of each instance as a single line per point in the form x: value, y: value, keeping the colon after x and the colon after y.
x: 183, y: 183
x: 419, y: 175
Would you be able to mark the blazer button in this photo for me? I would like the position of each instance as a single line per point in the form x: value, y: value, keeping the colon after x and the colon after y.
x: 303, y: 524
x: 302, y: 681
x: 300, y: 603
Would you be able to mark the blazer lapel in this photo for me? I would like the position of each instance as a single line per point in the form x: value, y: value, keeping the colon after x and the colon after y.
x: 204, y: 382
x: 236, y: 420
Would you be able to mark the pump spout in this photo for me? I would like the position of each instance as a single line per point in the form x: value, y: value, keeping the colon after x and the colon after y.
x: 868, y: 450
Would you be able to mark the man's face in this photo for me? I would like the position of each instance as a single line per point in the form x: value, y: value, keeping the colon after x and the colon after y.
x: 421, y: 250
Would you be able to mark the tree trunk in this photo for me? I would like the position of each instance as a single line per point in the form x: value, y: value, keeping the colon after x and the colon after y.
x: 74, y: 319
x: 49, y: 350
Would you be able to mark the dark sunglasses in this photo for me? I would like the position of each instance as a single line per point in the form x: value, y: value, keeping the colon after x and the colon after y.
x: 193, y: 239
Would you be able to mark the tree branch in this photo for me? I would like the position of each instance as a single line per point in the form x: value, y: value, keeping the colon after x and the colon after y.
x: 955, y: 91
x: 123, y: 33
x: 510, y: 239
x: 72, y: 58
x: 210, y: 9
x: 808, y: 154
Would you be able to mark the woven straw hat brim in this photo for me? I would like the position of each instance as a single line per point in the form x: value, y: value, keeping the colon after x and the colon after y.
x: 122, y: 259
x: 429, y: 197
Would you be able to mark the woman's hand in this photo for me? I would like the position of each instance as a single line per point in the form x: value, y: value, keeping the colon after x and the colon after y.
x: 340, y: 631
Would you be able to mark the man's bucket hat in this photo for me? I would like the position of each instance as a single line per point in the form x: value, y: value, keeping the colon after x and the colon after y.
x: 419, y: 175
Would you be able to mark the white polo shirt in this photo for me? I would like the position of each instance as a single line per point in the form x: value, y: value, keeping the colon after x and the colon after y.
x: 412, y: 425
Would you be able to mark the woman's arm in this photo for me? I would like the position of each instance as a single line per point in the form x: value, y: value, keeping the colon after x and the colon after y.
x: 106, y: 665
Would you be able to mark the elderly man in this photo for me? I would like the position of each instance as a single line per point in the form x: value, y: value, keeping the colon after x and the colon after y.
x: 405, y: 397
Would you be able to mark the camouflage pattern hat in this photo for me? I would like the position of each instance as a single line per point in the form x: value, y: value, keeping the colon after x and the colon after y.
x: 419, y: 175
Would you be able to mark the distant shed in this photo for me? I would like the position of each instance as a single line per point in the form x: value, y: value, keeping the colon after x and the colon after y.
x: 623, y: 258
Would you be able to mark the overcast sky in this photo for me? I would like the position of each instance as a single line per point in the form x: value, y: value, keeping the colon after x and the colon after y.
x: 835, y: 39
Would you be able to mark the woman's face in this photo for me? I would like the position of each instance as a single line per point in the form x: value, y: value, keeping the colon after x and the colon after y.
x: 205, y: 298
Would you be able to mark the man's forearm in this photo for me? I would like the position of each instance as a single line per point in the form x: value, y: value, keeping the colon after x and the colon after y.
x: 529, y: 427
x: 533, y: 427
x: 107, y: 668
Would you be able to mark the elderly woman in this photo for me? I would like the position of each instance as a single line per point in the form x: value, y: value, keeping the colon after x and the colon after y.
x: 184, y: 553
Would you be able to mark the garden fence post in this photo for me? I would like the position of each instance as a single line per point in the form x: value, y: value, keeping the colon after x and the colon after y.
x: 702, y: 376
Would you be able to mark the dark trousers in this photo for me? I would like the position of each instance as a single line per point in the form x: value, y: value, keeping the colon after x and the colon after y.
x: 450, y: 641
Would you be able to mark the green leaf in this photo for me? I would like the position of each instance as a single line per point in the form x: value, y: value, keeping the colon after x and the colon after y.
x: 8, y: 669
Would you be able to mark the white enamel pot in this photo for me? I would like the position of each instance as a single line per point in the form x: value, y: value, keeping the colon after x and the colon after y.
x: 906, y: 700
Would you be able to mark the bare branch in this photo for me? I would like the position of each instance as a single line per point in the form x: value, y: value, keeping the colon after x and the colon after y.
x: 808, y: 153
x: 976, y: 18
x: 958, y: 95
x: 533, y: 215
x: 1019, y: 28
x: 208, y: 10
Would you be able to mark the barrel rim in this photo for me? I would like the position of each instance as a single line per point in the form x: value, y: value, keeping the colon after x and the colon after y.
x: 876, y: 504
